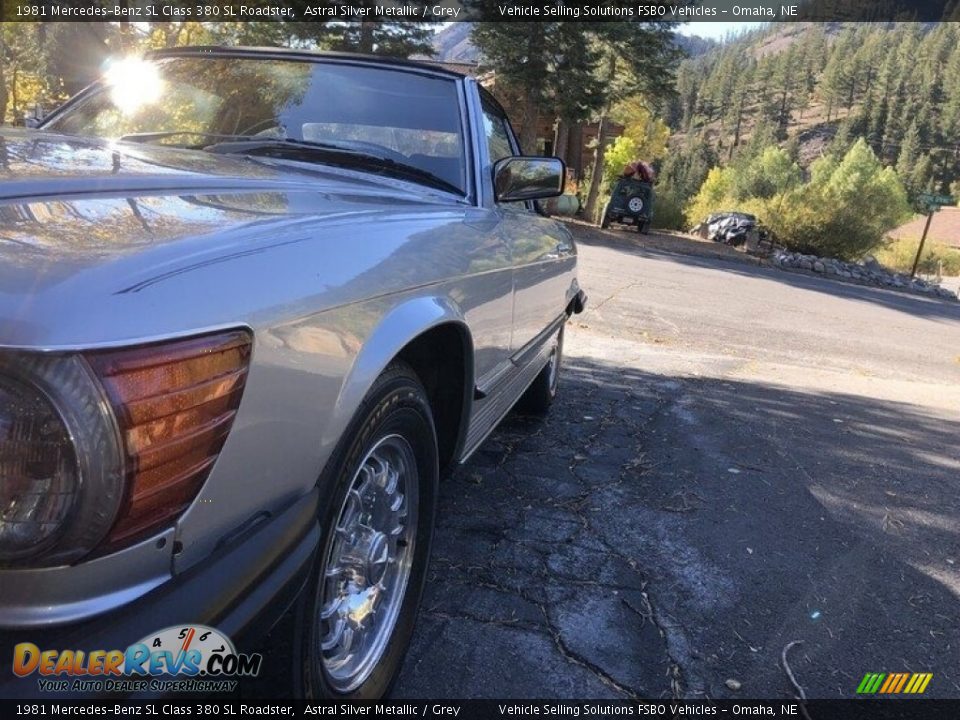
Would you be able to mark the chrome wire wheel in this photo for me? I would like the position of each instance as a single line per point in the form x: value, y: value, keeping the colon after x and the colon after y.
x: 368, y: 565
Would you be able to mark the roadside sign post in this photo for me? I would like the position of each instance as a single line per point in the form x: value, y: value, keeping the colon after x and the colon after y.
x: 923, y: 238
x: 932, y: 203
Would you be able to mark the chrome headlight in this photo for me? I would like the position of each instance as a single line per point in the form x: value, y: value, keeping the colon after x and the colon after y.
x: 98, y: 451
x: 61, y: 465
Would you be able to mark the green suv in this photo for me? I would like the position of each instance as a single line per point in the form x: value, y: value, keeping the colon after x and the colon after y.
x: 631, y: 202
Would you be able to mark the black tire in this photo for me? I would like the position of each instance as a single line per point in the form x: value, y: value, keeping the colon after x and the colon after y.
x: 543, y: 391
x: 396, y: 406
x: 643, y: 227
x: 605, y: 218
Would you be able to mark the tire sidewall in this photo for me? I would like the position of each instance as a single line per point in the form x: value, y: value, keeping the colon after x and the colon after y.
x: 542, y: 392
x: 397, y: 406
x: 558, y: 359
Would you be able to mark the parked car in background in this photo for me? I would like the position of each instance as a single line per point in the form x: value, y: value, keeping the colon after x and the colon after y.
x: 253, y: 304
x: 631, y: 203
x: 731, y: 228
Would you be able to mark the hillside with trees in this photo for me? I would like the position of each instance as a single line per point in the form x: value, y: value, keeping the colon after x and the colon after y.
x: 781, y: 120
x: 897, y: 86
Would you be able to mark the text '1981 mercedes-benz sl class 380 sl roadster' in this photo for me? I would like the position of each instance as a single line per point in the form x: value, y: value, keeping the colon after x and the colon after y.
x: 253, y: 305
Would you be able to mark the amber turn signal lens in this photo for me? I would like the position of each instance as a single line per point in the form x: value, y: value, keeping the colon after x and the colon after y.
x: 175, y: 404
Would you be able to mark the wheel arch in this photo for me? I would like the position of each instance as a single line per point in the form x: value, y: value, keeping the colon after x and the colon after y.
x: 432, y: 337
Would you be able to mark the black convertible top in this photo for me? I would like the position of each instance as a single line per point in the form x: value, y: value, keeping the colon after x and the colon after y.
x: 277, y: 53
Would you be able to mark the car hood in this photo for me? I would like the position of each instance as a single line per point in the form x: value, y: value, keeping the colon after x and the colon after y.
x: 83, y: 220
x: 68, y: 202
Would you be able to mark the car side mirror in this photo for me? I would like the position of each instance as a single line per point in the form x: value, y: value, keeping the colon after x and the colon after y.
x: 34, y: 117
x: 528, y: 178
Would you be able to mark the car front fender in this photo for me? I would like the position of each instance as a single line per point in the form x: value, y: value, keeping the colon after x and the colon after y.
x: 397, y: 329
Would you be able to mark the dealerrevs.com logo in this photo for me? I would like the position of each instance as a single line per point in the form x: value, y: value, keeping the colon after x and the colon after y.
x: 184, y: 658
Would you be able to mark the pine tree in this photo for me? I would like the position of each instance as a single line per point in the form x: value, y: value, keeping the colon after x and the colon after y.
x: 736, y: 112
x: 894, y: 124
x: 883, y: 90
x: 762, y: 89
x: 516, y: 53
x: 686, y: 100
x: 950, y: 115
x: 784, y: 79
x: 814, y: 57
x: 843, y: 139
x: 908, y: 160
x: 839, y: 82
x: 391, y: 38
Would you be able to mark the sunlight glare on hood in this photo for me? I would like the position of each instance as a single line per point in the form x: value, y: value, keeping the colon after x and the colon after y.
x: 134, y: 83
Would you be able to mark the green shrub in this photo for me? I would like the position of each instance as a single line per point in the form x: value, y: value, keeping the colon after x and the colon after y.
x: 716, y: 195
x: 619, y: 154
x: 844, y: 210
x: 771, y: 173
x: 899, y: 255
x: 668, y: 211
x: 751, y: 185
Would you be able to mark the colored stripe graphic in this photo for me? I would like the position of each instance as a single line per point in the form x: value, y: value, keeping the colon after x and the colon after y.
x: 871, y: 683
x: 893, y: 679
x: 894, y: 683
x: 918, y: 683
x: 903, y: 681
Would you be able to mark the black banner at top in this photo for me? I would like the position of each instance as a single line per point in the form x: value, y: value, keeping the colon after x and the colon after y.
x: 479, y: 10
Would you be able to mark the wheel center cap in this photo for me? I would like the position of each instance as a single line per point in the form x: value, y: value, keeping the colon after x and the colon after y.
x: 358, y: 606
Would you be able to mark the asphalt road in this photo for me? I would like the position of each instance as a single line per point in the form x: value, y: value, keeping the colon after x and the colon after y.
x: 740, y: 458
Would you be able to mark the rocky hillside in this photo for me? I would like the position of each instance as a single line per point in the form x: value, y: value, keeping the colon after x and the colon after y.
x: 452, y: 44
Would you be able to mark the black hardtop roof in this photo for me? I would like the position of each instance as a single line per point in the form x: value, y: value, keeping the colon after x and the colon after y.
x: 304, y: 55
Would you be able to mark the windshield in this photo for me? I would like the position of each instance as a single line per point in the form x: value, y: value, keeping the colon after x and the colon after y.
x: 197, y: 101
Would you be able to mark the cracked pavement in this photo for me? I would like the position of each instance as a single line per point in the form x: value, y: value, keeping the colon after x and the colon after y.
x: 738, y: 458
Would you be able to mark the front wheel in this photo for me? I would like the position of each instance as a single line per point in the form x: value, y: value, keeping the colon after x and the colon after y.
x: 356, y: 615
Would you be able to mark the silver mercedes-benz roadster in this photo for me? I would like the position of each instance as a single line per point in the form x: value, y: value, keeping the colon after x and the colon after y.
x: 253, y: 305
